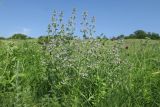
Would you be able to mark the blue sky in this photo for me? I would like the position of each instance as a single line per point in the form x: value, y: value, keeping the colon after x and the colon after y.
x: 113, y: 17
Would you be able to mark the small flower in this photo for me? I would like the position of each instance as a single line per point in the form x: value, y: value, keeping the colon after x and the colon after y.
x: 83, y: 74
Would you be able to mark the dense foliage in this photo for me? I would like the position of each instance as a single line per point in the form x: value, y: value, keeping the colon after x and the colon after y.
x: 80, y: 73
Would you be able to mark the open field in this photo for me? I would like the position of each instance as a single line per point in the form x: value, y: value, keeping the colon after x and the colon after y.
x: 80, y: 73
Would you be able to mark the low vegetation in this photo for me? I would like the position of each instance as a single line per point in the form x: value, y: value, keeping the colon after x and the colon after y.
x: 80, y: 73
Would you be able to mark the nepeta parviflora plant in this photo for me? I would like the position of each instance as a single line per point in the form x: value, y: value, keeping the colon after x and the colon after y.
x: 61, y: 25
x: 92, y: 27
x: 85, y: 25
x: 59, y: 28
x: 71, y: 24
x: 54, y: 23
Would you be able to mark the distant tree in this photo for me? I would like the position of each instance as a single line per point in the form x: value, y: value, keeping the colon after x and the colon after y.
x: 2, y: 38
x: 113, y: 38
x: 149, y: 34
x: 140, y: 34
x: 153, y: 35
x: 105, y: 37
x: 102, y: 36
x: 131, y: 36
x: 120, y: 37
x: 19, y: 36
x: 30, y: 38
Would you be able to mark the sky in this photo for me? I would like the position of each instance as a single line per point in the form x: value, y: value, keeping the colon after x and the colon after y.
x: 113, y: 17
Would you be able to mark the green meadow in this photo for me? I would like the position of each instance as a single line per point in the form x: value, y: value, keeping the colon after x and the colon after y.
x: 80, y: 73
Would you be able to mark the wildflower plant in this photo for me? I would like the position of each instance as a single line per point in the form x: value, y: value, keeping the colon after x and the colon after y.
x: 85, y: 25
x: 71, y: 23
x: 54, y: 23
x: 92, y: 27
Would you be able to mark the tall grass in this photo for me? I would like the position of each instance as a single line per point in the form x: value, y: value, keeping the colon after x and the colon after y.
x: 80, y: 73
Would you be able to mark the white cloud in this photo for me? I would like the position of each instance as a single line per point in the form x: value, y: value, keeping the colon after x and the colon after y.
x: 26, y: 31
x: 23, y: 30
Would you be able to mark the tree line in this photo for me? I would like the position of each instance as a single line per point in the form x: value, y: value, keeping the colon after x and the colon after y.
x: 18, y: 36
x: 139, y: 34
